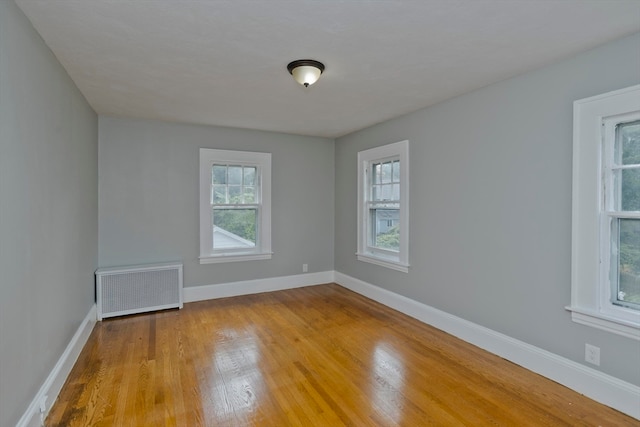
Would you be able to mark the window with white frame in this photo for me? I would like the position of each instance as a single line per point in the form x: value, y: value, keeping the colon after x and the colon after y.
x: 606, y: 212
x: 235, y: 205
x: 383, y: 206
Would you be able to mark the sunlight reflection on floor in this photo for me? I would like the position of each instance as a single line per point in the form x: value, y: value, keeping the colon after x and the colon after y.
x: 388, y: 382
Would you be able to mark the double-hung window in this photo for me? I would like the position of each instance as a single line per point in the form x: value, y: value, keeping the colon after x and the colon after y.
x: 383, y: 214
x: 620, y: 228
x: 606, y: 212
x: 235, y: 207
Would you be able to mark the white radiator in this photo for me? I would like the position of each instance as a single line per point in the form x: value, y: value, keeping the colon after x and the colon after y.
x: 137, y: 289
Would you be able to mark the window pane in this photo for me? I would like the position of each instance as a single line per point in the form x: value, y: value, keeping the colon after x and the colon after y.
x: 385, y: 224
x: 627, y: 147
x: 627, y: 291
x: 235, y: 194
x: 219, y: 194
x: 396, y: 192
x: 219, y: 174
x: 234, y: 228
x: 387, y: 192
x: 627, y: 189
x: 631, y: 189
x: 376, y: 193
x: 377, y: 173
x: 249, y: 194
x: 386, y: 172
x: 235, y: 175
x: 396, y: 171
x: 249, y: 175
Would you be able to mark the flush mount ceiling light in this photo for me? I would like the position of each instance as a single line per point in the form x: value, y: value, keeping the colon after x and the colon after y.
x: 306, y: 71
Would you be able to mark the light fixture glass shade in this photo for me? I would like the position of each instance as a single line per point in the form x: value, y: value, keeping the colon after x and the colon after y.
x: 306, y: 71
x: 306, y: 75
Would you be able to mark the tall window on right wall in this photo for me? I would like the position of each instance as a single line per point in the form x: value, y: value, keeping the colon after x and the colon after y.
x: 383, y: 206
x: 605, y: 282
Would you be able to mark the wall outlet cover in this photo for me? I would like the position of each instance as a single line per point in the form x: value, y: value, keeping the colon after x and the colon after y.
x: 592, y: 354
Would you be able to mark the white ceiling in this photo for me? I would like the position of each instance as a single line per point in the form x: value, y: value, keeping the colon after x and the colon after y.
x: 224, y: 62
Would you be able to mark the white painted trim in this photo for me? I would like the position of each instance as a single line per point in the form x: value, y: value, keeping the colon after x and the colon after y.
x: 229, y: 257
x: 600, y: 321
x: 139, y: 267
x: 49, y: 390
x: 393, y: 265
x: 590, y: 288
x: 223, y: 290
x: 603, y: 388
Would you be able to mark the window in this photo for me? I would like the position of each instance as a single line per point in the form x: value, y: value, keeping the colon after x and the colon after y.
x: 383, y: 208
x: 606, y: 212
x: 235, y: 206
x: 620, y: 229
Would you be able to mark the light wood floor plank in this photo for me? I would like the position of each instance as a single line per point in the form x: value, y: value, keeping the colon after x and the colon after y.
x: 316, y: 356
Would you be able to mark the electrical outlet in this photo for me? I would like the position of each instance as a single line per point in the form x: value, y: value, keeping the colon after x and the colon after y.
x: 592, y: 354
x: 43, y: 404
x: 305, y: 268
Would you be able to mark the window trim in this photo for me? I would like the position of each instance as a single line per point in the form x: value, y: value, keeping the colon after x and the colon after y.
x: 262, y: 250
x: 388, y: 259
x: 590, y: 304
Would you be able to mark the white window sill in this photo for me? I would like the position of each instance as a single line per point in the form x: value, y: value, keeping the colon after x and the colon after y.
x: 215, y: 259
x: 606, y: 323
x: 383, y: 262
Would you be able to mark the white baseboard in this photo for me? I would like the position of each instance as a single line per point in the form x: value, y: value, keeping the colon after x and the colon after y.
x: 603, y: 388
x: 33, y: 416
x: 223, y: 290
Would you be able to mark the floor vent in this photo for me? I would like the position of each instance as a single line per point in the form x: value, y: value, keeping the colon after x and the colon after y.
x: 138, y: 289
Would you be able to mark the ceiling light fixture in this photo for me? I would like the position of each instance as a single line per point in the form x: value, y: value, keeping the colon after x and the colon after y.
x: 305, y: 71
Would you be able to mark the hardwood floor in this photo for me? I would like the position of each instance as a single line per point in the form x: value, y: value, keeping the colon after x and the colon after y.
x: 316, y: 356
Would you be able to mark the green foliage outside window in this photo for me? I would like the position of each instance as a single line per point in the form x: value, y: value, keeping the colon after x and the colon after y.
x: 390, y: 239
x: 241, y: 222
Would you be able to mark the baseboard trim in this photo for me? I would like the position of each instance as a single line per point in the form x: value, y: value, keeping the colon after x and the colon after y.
x: 33, y: 416
x: 603, y: 388
x: 247, y: 287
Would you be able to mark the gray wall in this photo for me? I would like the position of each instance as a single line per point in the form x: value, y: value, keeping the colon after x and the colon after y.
x: 48, y: 211
x: 149, y: 198
x: 490, y: 204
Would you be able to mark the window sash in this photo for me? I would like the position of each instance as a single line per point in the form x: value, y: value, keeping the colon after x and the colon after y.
x: 384, y: 180
x: 236, y: 232
x: 374, y: 243
x: 248, y: 185
x: 245, y: 239
x: 617, y: 295
x: 612, y: 296
x: 381, y: 177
